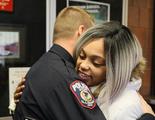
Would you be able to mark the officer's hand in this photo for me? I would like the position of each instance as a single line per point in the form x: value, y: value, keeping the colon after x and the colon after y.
x: 19, y: 90
x: 145, y: 106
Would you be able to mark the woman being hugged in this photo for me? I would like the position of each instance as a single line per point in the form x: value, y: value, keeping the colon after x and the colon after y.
x: 109, y: 57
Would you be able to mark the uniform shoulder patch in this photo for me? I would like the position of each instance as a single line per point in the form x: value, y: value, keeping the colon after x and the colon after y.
x: 83, y: 94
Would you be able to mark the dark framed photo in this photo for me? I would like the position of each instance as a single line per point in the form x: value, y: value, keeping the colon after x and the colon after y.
x: 99, y: 10
x: 12, y: 42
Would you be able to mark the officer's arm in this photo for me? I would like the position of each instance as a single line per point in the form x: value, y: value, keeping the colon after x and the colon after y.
x: 147, y: 116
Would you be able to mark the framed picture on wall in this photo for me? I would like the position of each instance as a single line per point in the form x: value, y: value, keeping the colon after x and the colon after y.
x: 12, y: 42
x: 9, y: 44
x: 99, y: 10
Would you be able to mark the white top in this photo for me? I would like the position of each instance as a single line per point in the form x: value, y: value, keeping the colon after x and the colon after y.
x: 126, y: 107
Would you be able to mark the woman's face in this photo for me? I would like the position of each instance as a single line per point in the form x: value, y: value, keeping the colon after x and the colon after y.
x: 90, y: 64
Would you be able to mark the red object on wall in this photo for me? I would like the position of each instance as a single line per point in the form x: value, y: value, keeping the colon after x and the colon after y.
x: 6, y: 5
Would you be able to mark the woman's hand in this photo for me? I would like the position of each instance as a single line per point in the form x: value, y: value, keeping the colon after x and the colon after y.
x: 19, y: 90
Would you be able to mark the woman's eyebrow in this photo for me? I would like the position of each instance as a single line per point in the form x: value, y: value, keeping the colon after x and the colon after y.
x: 96, y: 56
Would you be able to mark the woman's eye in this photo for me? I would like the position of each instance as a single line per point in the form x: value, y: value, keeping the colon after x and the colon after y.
x: 98, y: 64
x: 82, y: 56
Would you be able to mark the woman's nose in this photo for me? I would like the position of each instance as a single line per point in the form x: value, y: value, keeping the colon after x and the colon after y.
x: 84, y: 65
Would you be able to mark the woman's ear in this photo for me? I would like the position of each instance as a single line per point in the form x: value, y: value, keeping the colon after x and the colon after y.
x: 81, y: 29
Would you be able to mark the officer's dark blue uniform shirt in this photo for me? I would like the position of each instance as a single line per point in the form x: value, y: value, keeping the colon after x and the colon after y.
x: 53, y: 91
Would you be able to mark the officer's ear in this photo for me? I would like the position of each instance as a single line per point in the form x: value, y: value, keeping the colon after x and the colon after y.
x: 81, y: 29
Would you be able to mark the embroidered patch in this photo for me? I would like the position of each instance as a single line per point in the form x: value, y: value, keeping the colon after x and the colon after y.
x: 83, y: 94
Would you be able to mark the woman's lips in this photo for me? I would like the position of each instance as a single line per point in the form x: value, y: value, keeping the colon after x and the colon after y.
x: 84, y: 77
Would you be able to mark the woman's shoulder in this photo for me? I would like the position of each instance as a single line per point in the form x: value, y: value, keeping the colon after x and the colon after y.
x: 126, y: 106
x: 129, y: 97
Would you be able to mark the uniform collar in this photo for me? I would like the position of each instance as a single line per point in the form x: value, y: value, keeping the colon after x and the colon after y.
x: 60, y: 51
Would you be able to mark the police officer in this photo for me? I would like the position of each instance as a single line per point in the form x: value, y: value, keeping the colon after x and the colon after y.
x: 53, y: 90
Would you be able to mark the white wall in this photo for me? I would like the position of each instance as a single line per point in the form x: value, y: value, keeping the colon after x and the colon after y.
x: 50, y: 19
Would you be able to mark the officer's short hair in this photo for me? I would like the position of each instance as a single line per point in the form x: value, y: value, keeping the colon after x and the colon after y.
x: 68, y: 21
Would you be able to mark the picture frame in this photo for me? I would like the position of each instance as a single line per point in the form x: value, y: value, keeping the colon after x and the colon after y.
x: 98, y: 10
x: 12, y: 42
